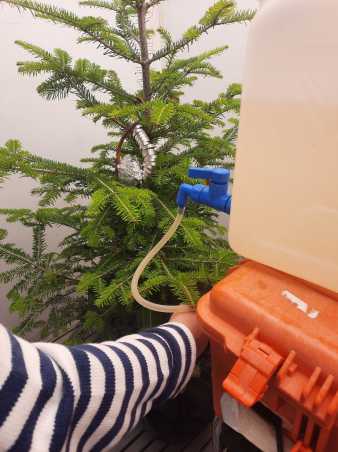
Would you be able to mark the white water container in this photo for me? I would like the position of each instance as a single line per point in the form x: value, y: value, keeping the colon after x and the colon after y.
x: 285, y: 195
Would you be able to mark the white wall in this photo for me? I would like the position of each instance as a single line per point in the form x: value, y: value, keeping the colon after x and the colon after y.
x: 55, y: 129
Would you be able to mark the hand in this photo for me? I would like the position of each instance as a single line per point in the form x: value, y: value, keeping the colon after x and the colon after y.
x: 190, y: 320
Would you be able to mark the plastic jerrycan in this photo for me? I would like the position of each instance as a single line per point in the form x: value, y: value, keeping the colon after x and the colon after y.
x: 285, y: 195
x: 273, y: 320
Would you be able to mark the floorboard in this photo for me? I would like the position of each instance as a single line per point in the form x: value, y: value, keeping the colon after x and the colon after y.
x: 141, y: 440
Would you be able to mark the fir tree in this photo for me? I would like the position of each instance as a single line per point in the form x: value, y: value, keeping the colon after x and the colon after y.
x: 84, y: 287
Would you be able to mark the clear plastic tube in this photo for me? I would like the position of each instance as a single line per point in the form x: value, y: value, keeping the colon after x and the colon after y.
x: 149, y: 257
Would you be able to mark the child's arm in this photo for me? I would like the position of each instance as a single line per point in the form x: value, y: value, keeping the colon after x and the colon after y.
x: 87, y: 397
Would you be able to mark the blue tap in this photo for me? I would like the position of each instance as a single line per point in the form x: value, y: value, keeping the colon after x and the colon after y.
x: 215, y: 194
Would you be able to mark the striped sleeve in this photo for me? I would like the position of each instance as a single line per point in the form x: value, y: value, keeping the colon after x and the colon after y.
x: 85, y: 398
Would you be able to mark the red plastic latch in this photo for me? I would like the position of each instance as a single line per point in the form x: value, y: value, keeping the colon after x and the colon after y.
x: 299, y: 447
x: 248, y: 379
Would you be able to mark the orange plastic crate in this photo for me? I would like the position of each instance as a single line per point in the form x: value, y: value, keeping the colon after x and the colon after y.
x: 274, y: 339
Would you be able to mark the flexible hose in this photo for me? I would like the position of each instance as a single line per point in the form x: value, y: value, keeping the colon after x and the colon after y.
x: 149, y: 257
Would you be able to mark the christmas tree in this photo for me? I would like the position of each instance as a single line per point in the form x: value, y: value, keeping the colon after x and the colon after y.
x: 119, y: 201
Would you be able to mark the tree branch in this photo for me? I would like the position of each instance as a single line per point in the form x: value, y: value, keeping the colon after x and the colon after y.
x: 62, y: 16
x: 240, y: 16
x: 77, y: 92
x: 104, y: 44
x: 65, y: 333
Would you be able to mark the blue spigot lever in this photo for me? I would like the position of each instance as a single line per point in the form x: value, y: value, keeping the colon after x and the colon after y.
x: 215, y: 194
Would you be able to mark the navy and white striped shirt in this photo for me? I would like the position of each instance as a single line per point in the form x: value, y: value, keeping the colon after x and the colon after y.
x: 85, y: 398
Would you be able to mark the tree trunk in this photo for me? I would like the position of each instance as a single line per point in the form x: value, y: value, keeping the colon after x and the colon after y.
x: 145, y: 63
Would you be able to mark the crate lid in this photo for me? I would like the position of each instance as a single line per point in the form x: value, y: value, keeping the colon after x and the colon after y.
x: 290, y: 314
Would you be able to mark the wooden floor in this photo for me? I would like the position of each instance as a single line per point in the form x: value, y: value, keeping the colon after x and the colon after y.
x: 141, y: 440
